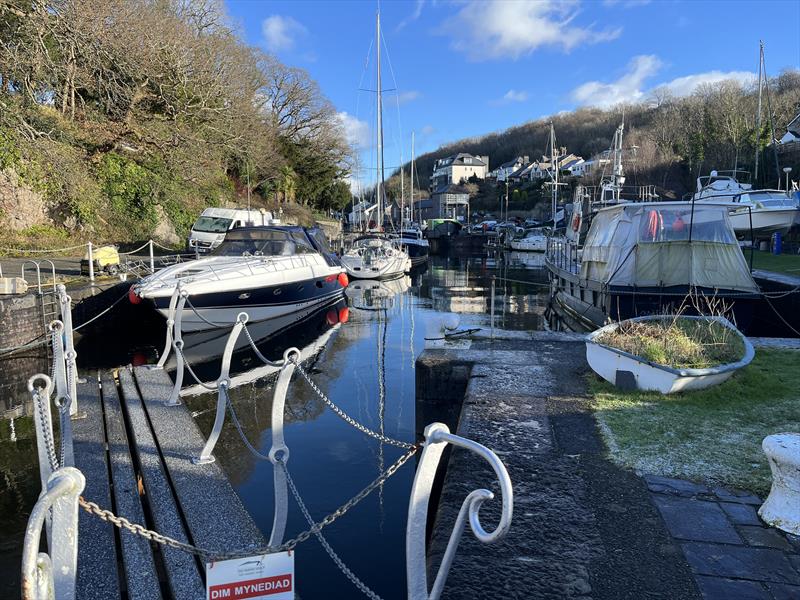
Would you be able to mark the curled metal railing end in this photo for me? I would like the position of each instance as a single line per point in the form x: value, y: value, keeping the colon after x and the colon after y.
x: 55, y: 325
x: 287, y: 355
x: 48, y: 383
x: 242, y: 317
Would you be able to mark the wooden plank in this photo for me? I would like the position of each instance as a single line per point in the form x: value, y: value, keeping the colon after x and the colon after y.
x: 97, y: 552
x: 137, y: 557
x: 184, y: 578
x: 215, y: 514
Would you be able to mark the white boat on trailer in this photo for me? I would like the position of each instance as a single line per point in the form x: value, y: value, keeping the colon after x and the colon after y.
x: 767, y: 211
x: 376, y: 257
x: 266, y: 272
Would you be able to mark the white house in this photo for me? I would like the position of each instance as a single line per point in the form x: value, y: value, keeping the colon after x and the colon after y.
x: 502, y: 172
x: 792, y: 131
x: 458, y: 168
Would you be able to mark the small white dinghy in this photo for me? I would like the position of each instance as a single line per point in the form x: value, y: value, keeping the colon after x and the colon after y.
x: 629, y: 371
x: 376, y: 257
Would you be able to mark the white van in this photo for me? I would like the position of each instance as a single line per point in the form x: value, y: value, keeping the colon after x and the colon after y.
x: 210, y: 228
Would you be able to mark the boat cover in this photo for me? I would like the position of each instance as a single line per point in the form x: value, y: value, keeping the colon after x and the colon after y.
x: 665, y: 244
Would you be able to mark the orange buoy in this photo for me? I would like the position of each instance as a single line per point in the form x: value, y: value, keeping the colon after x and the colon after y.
x: 344, y: 315
x: 133, y: 296
x: 343, y: 280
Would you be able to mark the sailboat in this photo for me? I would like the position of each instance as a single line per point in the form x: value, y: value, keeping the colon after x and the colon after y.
x: 376, y: 255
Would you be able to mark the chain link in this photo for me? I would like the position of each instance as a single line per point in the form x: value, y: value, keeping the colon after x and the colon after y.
x: 347, y: 418
x: 188, y: 366
x: 46, y: 433
x: 257, y: 352
x: 123, y: 523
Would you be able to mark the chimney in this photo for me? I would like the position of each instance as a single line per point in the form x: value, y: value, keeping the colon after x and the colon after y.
x: 526, y: 160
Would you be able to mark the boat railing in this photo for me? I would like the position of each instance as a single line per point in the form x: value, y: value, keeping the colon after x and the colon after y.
x: 600, y: 194
x: 55, y: 573
x: 563, y: 254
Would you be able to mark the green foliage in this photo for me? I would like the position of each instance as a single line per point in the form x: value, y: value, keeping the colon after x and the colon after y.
x: 10, y: 155
x: 131, y: 191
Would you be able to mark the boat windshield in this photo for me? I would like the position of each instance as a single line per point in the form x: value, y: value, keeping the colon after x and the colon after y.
x: 261, y: 243
x: 212, y: 224
x: 672, y: 224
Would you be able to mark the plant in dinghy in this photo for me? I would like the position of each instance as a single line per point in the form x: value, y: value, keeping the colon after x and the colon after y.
x: 668, y: 353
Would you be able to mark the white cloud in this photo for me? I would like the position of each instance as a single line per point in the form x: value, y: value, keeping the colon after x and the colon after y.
x: 630, y: 87
x: 493, y: 29
x: 427, y: 130
x: 281, y: 33
x: 356, y: 131
x: 625, y: 3
x: 627, y: 88
x: 413, y: 16
x: 683, y: 86
x: 515, y: 96
x: 408, y: 96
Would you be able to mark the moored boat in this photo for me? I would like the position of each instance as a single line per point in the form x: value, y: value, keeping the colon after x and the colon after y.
x: 266, y: 272
x: 415, y: 245
x: 534, y: 240
x: 375, y: 257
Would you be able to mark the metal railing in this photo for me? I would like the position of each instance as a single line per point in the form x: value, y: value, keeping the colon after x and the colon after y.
x: 563, y: 254
x: 62, y: 485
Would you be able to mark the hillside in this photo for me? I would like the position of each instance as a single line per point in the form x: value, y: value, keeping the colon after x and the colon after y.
x: 674, y: 138
x: 122, y: 119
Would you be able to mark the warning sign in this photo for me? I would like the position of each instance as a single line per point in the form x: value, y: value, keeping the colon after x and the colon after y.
x: 269, y: 576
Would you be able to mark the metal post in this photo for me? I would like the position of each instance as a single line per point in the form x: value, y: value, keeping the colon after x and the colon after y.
x: 437, y: 436
x: 279, y: 451
x: 223, y: 383
x: 152, y: 261
x: 91, y: 262
x: 65, y: 303
x: 54, y: 575
x: 177, y: 343
x: 170, y: 323
x: 492, y: 306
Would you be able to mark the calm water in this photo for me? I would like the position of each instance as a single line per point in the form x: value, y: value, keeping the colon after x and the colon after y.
x: 361, y: 353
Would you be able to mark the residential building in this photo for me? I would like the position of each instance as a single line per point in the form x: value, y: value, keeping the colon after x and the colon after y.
x: 450, y: 201
x: 458, y: 169
x: 792, y: 131
x: 507, y: 168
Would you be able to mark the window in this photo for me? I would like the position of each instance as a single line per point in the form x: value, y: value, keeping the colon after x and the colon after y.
x: 212, y: 225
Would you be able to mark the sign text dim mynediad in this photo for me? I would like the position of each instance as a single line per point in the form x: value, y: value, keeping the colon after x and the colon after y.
x: 269, y: 576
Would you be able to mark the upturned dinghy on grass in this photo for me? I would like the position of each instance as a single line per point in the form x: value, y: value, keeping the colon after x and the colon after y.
x: 632, y: 371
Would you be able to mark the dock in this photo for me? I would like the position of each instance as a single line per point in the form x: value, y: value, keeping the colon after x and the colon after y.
x: 135, y: 453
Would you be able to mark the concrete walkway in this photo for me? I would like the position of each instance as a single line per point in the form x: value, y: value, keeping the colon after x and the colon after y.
x: 583, y: 528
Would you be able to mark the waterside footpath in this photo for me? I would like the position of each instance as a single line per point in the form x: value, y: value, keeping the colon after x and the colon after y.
x: 583, y: 526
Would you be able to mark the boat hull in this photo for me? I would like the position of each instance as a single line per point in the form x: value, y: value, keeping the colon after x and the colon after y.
x: 387, y: 269
x: 529, y: 246
x: 221, y: 309
x: 765, y: 222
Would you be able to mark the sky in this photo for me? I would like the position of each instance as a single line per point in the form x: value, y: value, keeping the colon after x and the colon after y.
x: 458, y: 69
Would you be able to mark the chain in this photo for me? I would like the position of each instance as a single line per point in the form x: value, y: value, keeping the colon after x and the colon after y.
x: 123, y: 523
x: 202, y: 318
x: 324, y: 543
x: 238, y: 425
x: 46, y: 433
x: 257, y: 352
x: 188, y: 366
x: 348, y: 419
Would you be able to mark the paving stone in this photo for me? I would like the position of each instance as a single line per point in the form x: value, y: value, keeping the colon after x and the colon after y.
x: 781, y: 591
x: 740, y: 496
x: 764, y: 537
x: 678, y: 487
x: 697, y: 520
x: 722, y: 560
x: 741, y: 514
x: 718, y: 588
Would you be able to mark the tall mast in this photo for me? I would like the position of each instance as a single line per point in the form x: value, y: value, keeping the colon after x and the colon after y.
x: 412, y: 175
x: 554, y: 173
x: 381, y: 182
x: 619, y: 173
x: 758, y: 116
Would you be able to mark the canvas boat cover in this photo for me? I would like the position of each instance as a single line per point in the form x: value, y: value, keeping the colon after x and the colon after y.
x: 648, y: 245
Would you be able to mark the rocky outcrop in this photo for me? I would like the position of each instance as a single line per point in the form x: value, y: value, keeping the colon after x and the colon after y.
x: 165, y: 230
x: 20, y: 206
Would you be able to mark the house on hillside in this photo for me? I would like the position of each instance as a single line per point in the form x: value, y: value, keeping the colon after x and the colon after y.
x: 792, y: 131
x: 458, y: 168
x: 450, y: 201
x: 588, y: 167
x: 510, y: 167
x: 564, y: 162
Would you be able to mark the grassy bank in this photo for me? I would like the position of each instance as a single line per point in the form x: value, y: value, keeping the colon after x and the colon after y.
x: 781, y: 263
x: 712, y: 435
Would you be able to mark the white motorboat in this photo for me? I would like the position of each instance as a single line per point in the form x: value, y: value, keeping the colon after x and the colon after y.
x: 534, y: 240
x: 376, y: 257
x: 765, y: 211
x: 415, y: 244
x: 266, y: 272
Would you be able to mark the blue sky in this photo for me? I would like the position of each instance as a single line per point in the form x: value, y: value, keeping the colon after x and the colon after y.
x: 466, y: 68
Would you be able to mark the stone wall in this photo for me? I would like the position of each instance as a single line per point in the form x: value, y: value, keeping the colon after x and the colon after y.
x: 20, y: 320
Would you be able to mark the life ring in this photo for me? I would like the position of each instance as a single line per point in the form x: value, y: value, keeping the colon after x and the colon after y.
x: 576, y: 222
